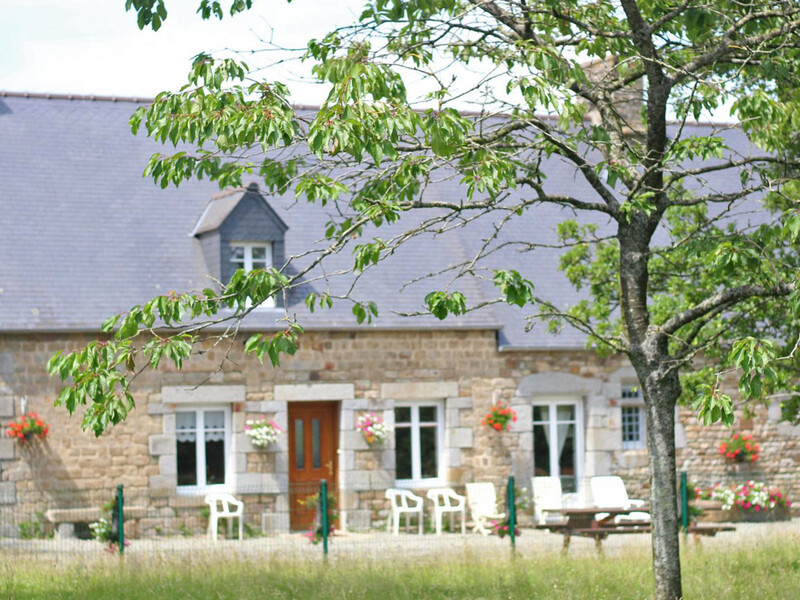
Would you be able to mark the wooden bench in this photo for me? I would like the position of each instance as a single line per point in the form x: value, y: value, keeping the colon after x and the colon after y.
x: 65, y: 519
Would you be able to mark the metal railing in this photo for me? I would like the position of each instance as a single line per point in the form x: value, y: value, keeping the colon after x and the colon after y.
x: 305, y: 522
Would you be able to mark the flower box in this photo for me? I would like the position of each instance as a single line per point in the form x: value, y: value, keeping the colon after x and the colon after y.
x: 779, y: 513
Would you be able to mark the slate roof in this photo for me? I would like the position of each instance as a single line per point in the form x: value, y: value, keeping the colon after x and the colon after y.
x: 83, y: 235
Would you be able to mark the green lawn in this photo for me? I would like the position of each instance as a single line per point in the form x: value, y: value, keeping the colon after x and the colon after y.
x: 759, y: 569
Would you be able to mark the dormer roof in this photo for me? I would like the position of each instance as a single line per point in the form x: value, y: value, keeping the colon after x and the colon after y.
x: 223, y: 204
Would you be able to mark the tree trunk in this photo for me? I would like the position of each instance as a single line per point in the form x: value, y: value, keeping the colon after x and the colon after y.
x: 661, y: 394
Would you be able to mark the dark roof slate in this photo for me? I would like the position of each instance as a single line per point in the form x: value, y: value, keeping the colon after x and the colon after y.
x: 84, y: 235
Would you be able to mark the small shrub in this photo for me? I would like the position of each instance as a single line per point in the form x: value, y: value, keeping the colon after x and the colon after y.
x: 34, y: 529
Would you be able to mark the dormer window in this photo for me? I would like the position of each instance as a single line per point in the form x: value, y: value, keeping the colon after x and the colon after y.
x: 240, y: 230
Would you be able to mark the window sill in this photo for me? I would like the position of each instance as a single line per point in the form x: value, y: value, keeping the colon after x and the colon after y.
x: 197, y: 490
x: 420, y: 483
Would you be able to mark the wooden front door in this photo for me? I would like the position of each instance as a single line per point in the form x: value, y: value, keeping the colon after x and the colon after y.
x: 313, y: 445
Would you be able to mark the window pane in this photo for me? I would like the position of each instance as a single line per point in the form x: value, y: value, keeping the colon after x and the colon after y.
x: 427, y: 451
x: 427, y: 414
x: 541, y: 413
x: 565, y: 412
x: 237, y: 254
x: 402, y: 453
x: 631, y: 426
x: 541, y: 451
x: 215, y: 461
x: 566, y: 460
x: 315, y: 445
x: 402, y: 414
x: 259, y: 254
x: 187, y: 462
x: 185, y: 420
x: 214, y: 420
x: 299, y: 446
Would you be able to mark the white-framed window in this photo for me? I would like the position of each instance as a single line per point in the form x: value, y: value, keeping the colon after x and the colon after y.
x: 203, y: 442
x: 252, y: 255
x: 633, y: 419
x: 419, y: 442
x: 558, y: 441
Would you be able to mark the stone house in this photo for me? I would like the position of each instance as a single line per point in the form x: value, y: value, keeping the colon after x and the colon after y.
x: 84, y: 236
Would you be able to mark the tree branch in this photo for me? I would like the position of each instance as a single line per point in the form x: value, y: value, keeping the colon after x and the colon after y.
x: 724, y: 299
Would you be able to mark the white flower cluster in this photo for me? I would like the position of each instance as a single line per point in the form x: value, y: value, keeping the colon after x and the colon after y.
x: 101, y: 530
x: 725, y: 495
x: 373, y: 428
x: 262, y: 431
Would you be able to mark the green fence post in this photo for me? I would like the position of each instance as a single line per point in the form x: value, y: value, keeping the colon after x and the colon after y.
x: 511, y: 501
x: 120, y: 520
x: 684, y: 503
x: 323, y: 505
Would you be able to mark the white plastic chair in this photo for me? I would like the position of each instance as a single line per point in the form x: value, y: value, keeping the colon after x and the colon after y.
x: 223, y: 506
x: 609, y: 490
x: 403, y: 502
x: 445, y: 500
x: 482, y: 500
x: 547, y: 497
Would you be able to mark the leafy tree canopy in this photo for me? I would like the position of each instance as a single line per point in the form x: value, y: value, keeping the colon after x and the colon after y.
x: 672, y: 270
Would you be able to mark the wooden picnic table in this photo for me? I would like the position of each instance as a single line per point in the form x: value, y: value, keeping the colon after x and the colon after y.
x: 584, y: 522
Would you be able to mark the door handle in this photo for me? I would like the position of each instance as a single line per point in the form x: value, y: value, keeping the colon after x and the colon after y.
x: 329, y: 466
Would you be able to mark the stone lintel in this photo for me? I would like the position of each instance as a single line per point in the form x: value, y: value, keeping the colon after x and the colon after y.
x: 205, y: 394
x: 413, y: 390
x: 314, y: 391
x: 555, y: 383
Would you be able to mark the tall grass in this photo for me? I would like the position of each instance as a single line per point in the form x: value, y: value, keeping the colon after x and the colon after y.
x: 757, y: 569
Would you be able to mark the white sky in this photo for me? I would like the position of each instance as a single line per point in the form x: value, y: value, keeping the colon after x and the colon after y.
x: 95, y: 47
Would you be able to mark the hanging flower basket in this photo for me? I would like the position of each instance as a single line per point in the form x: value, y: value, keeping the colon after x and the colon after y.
x: 740, y: 448
x: 27, y: 427
x: 499, y: 417
x: 262, y: 431
x: 372, y: 427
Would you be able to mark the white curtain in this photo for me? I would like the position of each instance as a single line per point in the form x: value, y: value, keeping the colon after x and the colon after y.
x: 563, y: 429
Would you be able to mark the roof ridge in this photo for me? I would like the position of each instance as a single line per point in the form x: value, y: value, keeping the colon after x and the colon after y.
x: 50, y: 96
x: 143, y: 100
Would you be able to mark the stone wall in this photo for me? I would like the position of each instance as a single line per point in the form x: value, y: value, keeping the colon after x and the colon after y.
x: 364, y: 370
